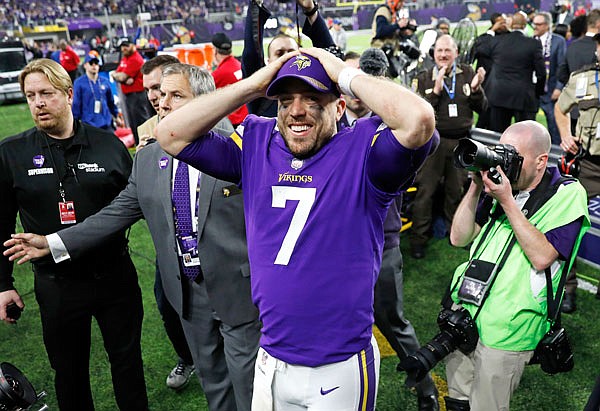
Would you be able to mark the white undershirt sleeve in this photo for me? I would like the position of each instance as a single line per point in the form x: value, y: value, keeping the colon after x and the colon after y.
x: 57, y: 248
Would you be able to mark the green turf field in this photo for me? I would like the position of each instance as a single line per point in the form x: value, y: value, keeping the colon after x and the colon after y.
x: 425, y: 281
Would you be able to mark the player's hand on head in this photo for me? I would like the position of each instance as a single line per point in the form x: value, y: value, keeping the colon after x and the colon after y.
x: 263, y: 77
x: 332, y: 65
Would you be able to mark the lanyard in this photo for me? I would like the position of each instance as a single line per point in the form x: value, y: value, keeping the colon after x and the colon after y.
x: 597, y: 86
x: 70, y: 167
x: 451, y: 92
x: 93, y: 89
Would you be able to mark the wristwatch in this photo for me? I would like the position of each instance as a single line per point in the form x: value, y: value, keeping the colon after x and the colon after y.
x: 311, y: 11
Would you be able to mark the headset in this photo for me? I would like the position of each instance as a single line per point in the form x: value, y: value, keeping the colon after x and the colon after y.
x: 570, y: 164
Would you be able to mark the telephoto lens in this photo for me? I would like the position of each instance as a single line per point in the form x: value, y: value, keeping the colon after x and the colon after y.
x: 458, y: 330
x: 474, y: 156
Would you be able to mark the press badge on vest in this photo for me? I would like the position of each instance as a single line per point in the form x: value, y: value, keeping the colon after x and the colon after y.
x: 476, y: 281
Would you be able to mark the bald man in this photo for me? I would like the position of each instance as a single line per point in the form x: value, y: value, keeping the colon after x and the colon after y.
x: 547, y: 218
x: 517, y: 60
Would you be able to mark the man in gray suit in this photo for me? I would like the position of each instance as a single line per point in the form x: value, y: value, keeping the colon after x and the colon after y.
x: 220, y: 322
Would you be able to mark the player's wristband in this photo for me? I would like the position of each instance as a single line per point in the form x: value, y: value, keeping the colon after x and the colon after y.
x: 345, y: 79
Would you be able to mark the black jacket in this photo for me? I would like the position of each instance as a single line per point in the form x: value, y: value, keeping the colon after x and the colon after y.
x: 94, y: 167
x: 580, y: 52
x: 515, y: 59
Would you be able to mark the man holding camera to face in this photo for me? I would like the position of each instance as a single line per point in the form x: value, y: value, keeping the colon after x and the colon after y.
x: 391, y: 29
x: 518, y: 242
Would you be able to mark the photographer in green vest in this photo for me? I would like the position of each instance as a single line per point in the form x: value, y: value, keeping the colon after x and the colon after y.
x: 525, y: 230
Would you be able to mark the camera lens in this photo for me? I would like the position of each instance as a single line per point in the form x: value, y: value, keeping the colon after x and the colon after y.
x: 458, y: 330
x: 422, y: 361
x: 474, y: 156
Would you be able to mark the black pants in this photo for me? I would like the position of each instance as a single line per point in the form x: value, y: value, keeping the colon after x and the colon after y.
x: 501, y: 117
x: 67, y: 305
x: 172, y: 322
x: 593, y: 403
x: 138, y: 111
x: 389, y: 313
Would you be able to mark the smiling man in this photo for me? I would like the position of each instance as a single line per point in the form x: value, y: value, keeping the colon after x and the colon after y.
x: 55, y: 175
x: 197, y: 225
x: 314, y: 262
x: 454, y: 90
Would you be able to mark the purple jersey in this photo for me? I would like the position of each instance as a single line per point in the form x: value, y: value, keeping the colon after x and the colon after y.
x: 314, y: 229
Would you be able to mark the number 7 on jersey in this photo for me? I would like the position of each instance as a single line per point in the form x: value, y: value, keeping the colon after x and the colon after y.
x: 306, y: 198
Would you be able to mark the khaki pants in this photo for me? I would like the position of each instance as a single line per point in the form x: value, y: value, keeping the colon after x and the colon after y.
x: 487, y: 377
x: 590, y: 178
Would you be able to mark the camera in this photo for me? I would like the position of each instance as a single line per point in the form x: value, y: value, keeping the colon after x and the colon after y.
x: 457, y: 330
x: 475, y: 156
x: 409, y: 48
x: 554, y: 352
x: 16, y: 392
x: 397, y: 62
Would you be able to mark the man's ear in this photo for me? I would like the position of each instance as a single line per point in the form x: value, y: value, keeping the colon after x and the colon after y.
x: 542, y: 161
x: 340, y: 108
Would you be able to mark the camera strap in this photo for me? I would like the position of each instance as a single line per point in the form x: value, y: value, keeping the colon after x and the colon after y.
x: 542, y: 193
x: 554, y: 300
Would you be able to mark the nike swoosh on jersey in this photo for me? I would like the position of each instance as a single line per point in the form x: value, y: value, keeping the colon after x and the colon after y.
x: 325, y: 392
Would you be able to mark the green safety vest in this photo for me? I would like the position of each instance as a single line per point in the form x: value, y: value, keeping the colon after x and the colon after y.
x: 512, y: 318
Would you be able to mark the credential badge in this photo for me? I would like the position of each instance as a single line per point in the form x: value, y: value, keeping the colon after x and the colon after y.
x: 297, y: 164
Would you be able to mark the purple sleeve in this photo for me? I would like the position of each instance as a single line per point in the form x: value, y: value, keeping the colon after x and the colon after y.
x: 392, y: 167
x: 215, y: 155
x: 563, y: 238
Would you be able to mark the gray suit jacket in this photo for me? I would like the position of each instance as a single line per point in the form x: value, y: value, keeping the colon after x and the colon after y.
x: 221, y: 231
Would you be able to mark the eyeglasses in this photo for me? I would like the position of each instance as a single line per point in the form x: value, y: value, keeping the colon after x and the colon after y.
x: 540, y: 24
x: 93, y: 62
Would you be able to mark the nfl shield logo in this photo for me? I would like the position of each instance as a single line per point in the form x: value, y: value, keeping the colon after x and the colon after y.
x: 297, y: 164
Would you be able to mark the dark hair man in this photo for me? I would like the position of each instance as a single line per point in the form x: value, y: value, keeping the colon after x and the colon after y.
x: 511, y: 91
x: 482, y: 42
x: 314, y: 28
x: 554, y: 48
x: 302, y: 247
x: 388, y: 301
x: 546, y: 219
x: 129, y: 76
x: 228, y: 71
x: 180, y: 375
x: 200, y: 248
x: 54, y: 175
